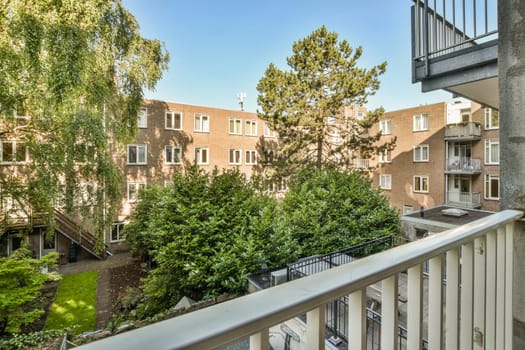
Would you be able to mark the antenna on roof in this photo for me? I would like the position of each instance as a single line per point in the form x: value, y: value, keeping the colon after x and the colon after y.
x: 240, y: 98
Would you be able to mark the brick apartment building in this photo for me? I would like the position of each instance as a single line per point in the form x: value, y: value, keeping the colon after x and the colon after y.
x: 170, y: 136
x: 445, y: 154
x: 174, y: 135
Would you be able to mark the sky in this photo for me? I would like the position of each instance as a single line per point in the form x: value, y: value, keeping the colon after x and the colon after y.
x: 219, y: 48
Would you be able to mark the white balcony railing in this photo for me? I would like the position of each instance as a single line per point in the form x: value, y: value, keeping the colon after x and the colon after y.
x: 463, y: 165
x: 477, y: 260
x: 465, y: 199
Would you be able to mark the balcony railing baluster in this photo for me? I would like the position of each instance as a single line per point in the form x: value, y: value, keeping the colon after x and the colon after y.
x: 452, y: 300
x: 479, y: 292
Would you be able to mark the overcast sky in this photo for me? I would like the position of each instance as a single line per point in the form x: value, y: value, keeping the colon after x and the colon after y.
x: 221, y: 47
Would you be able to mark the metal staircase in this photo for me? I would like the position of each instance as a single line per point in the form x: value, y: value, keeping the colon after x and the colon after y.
x: 79, y: 235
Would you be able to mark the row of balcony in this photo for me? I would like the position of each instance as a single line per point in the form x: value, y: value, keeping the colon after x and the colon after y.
x: 476, y: 297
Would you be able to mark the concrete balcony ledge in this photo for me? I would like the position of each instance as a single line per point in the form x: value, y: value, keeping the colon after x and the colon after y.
x: 466, y: 131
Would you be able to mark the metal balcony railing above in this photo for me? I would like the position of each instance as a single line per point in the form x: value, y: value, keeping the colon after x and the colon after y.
x: 468, y: 131
x: 463, y: 165
x: 443, y: 26
x: 476, y: 299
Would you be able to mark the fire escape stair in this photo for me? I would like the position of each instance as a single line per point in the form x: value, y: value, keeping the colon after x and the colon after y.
x: 72, y: 230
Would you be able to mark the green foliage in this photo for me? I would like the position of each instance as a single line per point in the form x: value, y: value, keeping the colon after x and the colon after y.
x: 323, y: 78
x: 21, y: 281
x: 205, y: 233
x: 75, y: 303
x: 327, y: 210
x: 78, y: 70
x: 34, y: 340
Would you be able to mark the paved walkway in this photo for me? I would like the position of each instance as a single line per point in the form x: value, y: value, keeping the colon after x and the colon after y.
x: 104, y: 280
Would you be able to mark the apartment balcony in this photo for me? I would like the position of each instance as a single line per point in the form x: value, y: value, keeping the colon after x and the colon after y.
x: 463, y: 132
x: 476, y: 298
x: 470, y: 200
x: 362, y: 164
x: 455, y: 48
x: 463, y: 165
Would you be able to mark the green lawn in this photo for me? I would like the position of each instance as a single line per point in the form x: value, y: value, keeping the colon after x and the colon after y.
x: 75, y: 303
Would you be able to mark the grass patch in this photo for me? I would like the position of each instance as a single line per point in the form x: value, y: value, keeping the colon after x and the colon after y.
x: 75, y: 303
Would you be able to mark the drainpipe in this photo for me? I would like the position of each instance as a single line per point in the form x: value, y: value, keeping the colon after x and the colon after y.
x: 511, y: 66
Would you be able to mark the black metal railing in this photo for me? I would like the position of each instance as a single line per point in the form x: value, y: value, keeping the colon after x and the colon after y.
x: 318, y: 263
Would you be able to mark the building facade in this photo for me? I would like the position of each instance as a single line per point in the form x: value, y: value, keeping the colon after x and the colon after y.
x: 444, y: 154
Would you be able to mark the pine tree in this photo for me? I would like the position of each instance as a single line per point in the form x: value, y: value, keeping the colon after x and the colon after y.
x: 306, y: 105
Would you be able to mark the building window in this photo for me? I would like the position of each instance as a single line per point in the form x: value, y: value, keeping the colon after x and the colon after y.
x: 235, y: 156
x: 202, y: 123
x: 143, y: 118
x: 492, y: 151
x: 421, y: 153
x: 385, y: 181
x: 251, y: 128
x: 173, y: 120
x: 267, y: 131
x: 137, y: 154
x: 84, y: 153
x: 465, y: 115
x: 384, y: 126
x: 360, y: 116
x: 133, y: 190
x: 235, y: 126
x: 201, y: 155
x: 421, y: 184
x: 173, y: 154
x: 491, y: 186
x: 251, y: 157
x: 117, y: 232
x: 407, y: 209
x: 385, y: 156
x: 491, y: 119
x: 13, y: 152
x: 421, y: 122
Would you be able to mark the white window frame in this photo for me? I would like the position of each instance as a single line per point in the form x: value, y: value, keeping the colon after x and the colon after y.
x: 489, y: 143
x: 488, y: 118
x: 250, y: 157
x: 199, y: 155
x: 201, y: 122
x: 119, y: 225
x: 421, y: 122
x: 14, y: 147
x: 268, y: 132
x: 174, y: 150
x: 133, y: 190
x: 171, y: 116
x: 251, y: 127
x: 419, y: 149
x: 235, y: 126
x: 142, y: 122
x: 385, y: 156
x: 419, y: 179
x: 488, y: 186
x: 138, y: 161
x: 385, y: 126
x: 235, y: 156
x: 385, y: 181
